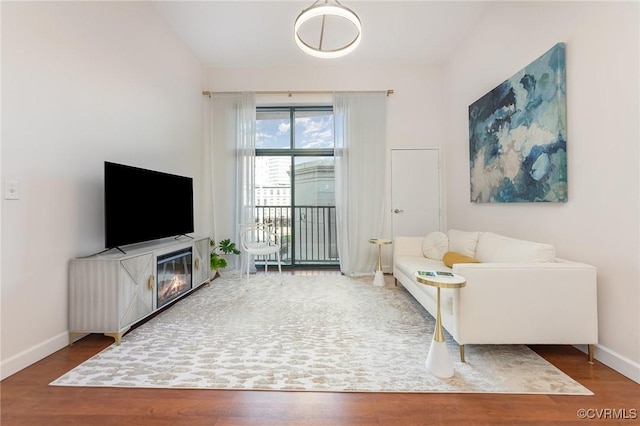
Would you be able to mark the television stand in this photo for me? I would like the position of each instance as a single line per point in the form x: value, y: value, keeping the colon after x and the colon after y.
x: 110, y: 292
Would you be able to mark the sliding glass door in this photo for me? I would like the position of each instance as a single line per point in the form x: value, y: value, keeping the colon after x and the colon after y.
x: 294, y: 175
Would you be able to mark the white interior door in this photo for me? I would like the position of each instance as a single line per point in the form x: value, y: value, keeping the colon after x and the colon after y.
x: 415, y: 192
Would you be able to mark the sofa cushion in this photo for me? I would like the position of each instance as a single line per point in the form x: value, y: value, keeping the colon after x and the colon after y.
x: 451, y: 257
x: 435, y: 245
x: 497, y: 248
x: 463, y: 242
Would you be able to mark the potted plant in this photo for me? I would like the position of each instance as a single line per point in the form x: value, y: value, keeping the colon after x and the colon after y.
x: 220, y: 253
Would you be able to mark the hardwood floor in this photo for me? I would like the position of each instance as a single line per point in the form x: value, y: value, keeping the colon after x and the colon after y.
x: 27, y: 399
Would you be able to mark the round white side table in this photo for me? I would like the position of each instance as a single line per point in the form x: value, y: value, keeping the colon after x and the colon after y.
x: 379, y: 277
x: 438, y: 360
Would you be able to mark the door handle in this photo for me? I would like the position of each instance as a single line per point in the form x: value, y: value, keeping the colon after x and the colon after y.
x: 398, y: 211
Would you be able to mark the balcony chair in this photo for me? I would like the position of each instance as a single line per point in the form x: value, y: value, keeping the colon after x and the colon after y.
x: 259, y: 240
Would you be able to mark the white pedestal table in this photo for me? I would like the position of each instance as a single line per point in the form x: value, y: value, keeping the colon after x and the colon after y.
x: 438, y: 360
x: 379, y: 277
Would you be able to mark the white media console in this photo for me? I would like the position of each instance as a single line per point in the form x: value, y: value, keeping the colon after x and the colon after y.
x: 110, y: 292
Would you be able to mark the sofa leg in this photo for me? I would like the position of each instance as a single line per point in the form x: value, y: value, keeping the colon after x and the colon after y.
x: 396, y: 281
x: 461, y: 353
x: 591, y: 353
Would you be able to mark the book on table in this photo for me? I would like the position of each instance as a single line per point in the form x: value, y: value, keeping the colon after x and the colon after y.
x: 435, y: 274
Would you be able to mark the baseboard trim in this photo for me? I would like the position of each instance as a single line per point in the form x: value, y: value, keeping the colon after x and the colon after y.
x: 614, y: 360
x: 32, y: 355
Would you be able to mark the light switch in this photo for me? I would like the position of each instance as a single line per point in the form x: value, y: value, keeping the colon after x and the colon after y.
x: 11, y: 190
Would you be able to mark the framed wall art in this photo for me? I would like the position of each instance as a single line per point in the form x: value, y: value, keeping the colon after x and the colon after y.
x: 517, y: 136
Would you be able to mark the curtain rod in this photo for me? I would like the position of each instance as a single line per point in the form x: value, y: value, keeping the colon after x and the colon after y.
x: 289, y: 93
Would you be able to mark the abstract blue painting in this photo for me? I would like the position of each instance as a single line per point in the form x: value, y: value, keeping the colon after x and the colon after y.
x: 518, y: 136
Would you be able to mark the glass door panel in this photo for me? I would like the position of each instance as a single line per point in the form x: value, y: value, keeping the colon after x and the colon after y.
x: 273, y: 198
x: 314, y: 211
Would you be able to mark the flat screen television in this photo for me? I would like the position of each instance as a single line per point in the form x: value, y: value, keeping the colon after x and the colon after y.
x: 144, y: 205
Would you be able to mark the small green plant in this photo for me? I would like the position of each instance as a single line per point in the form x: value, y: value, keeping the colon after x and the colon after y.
x: 224, y: 247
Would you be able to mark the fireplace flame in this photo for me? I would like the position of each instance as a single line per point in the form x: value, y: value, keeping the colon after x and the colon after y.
x: 173, y: 287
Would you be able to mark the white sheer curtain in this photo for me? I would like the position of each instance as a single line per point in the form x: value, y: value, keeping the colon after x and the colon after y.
x: 360, y: 146
x: 245, y: 158
x: 233, y: 132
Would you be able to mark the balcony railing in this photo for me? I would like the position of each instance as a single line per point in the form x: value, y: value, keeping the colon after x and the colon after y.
x: 307, y: 234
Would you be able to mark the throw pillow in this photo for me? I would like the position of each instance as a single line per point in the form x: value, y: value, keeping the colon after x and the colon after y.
x: 463, y: 242
x: 450, y: 258
x: 435, y: 245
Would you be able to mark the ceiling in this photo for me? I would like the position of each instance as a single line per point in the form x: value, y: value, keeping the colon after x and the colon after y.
x: 260, y: 33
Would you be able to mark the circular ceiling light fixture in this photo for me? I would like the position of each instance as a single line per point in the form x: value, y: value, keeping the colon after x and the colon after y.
x: 343, y: 29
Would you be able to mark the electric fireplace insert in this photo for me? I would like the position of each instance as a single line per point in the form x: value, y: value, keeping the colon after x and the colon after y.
x: 174, y: 275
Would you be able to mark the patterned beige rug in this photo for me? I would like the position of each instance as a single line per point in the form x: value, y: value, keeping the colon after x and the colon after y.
x: 307, y: 333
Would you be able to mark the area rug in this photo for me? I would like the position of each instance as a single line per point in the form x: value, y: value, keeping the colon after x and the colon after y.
x: 307, y: 333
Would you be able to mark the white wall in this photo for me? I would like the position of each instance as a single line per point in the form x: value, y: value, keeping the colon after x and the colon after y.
x: 414, y: 111
x: 600, y: 223
x: 82, y: 82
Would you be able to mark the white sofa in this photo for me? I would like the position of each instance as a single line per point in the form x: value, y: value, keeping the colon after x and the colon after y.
x: 518, y: 293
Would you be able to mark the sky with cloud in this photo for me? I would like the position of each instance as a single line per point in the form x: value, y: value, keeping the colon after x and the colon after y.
x: 311, y: 132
